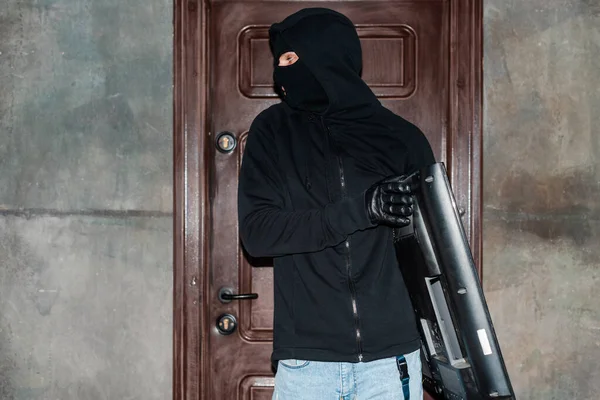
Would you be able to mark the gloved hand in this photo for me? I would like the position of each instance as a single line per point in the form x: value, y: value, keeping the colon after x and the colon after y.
x: 389, y: 202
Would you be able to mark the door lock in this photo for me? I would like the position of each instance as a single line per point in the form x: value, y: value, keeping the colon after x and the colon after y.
x: 226, y: 142
x: 226, y: 324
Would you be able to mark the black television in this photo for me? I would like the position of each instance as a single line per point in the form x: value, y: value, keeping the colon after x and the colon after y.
x: 460, y: 354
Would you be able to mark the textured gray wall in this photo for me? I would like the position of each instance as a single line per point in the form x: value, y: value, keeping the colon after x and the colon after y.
x: 85, y: 199
x: 542, y: 192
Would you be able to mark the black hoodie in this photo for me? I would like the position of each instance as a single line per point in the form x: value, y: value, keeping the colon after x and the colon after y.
x: 339, y: 294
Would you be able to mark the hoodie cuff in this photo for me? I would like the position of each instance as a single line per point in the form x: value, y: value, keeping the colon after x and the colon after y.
x: 349, y: 215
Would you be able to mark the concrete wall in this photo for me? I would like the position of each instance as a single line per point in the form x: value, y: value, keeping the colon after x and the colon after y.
x: 85, y: 199
x: 542, y: 192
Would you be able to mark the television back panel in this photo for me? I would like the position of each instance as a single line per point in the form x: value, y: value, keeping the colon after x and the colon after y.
x: 460, y: 353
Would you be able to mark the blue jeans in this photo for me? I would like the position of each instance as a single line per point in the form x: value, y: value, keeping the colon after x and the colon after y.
x: 374, y: 380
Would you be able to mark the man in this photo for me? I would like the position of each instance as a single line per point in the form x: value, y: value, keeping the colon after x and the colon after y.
x: 315, y: 193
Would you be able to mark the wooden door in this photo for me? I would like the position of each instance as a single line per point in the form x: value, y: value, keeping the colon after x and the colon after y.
x: 422, y: 59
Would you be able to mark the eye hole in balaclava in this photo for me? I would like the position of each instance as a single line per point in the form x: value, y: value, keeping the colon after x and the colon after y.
x: 301, y: 89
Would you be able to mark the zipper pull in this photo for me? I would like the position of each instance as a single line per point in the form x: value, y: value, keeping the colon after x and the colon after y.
x: 307, y: 183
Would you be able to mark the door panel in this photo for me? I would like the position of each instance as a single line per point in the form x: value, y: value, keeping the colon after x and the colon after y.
x: 398, y: 42
x: 224, y: 54
x: 405, y: 48
x: 257, y: 388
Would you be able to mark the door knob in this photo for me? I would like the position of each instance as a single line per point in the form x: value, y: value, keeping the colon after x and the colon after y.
x: 226, y: 295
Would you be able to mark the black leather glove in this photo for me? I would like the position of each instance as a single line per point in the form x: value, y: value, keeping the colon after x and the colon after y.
x: 389, y: 202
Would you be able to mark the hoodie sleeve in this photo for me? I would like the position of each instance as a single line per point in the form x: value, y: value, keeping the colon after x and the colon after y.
x: 420, y: 154
x: 269, y: 230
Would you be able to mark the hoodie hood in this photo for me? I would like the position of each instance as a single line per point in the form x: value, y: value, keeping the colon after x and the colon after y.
x: 328, y: 45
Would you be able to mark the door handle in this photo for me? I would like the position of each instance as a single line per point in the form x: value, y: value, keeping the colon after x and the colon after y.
x: 226, y: 295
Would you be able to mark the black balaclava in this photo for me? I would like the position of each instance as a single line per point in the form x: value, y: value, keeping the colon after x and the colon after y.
x: 327, y: 75
x: 329, y: 47
x: 302, y: 90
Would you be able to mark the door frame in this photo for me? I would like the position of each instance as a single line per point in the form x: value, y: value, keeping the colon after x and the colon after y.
x: 191, y: 146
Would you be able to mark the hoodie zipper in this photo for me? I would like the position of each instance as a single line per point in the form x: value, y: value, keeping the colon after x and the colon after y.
x: 349, y: 259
